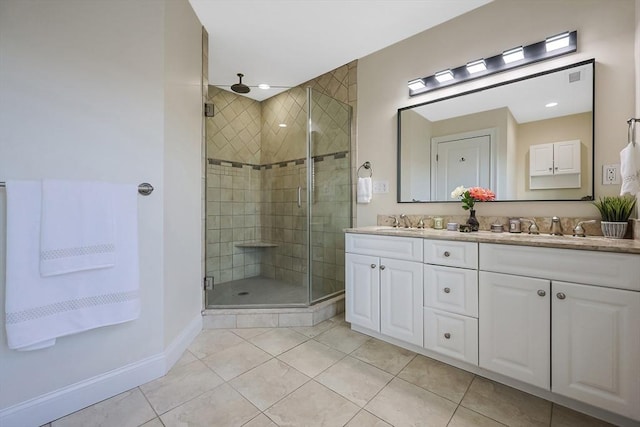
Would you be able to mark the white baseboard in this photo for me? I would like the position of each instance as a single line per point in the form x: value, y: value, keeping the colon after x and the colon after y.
x: 51, y: 406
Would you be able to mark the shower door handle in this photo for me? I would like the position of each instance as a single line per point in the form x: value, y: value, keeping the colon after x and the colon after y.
x: 299, y: 196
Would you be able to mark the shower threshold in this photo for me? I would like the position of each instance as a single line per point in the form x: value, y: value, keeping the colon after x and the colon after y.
x: 273, y: 317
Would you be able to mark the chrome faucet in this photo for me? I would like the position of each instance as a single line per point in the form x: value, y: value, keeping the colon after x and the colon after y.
x: 533, y: 227
x: 556, y: 227
x: 406, y: 220
x: 578, y: 230
x: 395, y: 223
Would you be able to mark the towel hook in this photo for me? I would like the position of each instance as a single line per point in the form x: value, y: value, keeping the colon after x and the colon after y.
x: 367, y: 166
x: 632, y: 130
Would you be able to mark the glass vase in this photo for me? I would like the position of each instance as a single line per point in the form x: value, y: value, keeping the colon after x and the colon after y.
x: 473, y: 221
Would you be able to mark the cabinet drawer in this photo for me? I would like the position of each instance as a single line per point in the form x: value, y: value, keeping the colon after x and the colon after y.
x: 451, y: 289
x: 452, y: 254
x: 406, y: 248
x: 451, y: 334
x: 607, y: 269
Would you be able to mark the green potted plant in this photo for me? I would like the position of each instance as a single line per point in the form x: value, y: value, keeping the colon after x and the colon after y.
x: 615, y: 212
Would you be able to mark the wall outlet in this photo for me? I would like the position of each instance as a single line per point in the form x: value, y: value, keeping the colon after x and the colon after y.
x: 610, y: 174
x: 380, y: 187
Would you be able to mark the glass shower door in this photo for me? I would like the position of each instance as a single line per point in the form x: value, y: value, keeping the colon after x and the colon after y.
x: 329, y: 195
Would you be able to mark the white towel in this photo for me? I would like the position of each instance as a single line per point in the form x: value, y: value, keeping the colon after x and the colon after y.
x: 39, y: 309
x: 630, y: 169
x: 77, y: 227
x: 364, y: 190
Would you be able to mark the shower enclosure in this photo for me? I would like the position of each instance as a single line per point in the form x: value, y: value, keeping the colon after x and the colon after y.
x: 278, y: 196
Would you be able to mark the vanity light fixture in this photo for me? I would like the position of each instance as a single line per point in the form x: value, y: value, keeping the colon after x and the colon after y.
x: 551, y: 47
x: 513, y: 55
x: 264, y: 86
x: 476, y: 66
x: 416, y: 84
x: 444, y: 76
x: 557, y: 42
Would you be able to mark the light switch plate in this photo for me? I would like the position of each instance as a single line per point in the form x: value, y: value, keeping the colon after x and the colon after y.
x: 380, y: 187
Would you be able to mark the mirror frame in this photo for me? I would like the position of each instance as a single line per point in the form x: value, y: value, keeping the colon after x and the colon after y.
x: 484, y: 88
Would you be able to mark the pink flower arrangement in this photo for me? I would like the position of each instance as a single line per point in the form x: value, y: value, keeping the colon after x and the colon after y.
x: 469, y: 196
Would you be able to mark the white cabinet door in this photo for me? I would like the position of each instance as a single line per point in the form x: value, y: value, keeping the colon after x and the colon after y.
x: 566, y: 157
x: 362, y: 291
x: 596, y: 346
x: 541, y: 160
x: 401, y: 300
x: 514, y: 327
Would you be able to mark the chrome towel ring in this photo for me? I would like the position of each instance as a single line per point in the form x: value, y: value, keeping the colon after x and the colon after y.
x: 366, y: 166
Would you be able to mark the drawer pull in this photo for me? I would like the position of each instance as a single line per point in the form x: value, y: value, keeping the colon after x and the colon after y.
x: 447, y: 254
x: 382, y: 267
x: 541, y: 292
x: 446, y: 290
x: 447, y: 335
x: 373, y: 266
x: 560, y: 295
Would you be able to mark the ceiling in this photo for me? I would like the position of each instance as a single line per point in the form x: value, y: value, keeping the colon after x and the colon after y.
x: 288, y: 42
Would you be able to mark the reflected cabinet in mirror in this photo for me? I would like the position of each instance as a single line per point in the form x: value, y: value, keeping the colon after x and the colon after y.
x: 526, y: 139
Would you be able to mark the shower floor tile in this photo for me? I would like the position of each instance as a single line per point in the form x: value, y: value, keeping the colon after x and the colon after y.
x: 255, y: 291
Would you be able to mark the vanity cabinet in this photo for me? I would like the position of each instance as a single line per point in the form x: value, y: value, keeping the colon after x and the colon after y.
x: 451, y: 299
x: 384, y: 285
x: 563, y: 323
x: 580, y: 340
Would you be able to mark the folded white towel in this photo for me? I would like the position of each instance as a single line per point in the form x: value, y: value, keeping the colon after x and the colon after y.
x: 364, y: 190
x: 39, y: 309
x: 630, y: 169
x: 77, y: 227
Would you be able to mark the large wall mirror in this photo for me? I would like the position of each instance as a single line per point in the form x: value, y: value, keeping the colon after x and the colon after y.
x: 526, y: 139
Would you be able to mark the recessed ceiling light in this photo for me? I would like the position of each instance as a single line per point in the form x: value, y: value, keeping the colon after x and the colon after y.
x: 476, y: 66
x: 551, y: 104
x: 444, y: 76
x: 513, y: 55
x: 283, y: 125
x: 264, y: 86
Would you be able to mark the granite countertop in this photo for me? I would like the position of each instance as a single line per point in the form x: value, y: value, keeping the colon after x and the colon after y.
x: 589, y: 243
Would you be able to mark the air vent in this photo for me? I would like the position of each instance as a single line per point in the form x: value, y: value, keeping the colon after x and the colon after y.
x: 574, y: 77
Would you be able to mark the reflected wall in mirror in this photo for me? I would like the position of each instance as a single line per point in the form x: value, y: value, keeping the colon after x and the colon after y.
x: 526, y: 139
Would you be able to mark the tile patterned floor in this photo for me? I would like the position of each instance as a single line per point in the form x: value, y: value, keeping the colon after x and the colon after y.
x: 326, y: 375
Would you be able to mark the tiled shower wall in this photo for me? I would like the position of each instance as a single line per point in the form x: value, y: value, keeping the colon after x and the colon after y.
x: 271, y: 213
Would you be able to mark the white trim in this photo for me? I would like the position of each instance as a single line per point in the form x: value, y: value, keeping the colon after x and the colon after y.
x: 58, y: 403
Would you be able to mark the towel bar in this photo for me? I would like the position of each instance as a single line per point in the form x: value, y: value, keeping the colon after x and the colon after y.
x: 145, y: 188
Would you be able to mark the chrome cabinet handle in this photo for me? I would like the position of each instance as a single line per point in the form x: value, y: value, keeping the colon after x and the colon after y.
x: 446, y: 290
x: 373, y: 266
x: 560, y: 295
x: 447, y: 335
x: 382, y: 267
x: 447, y: 254
x: 541, y: 292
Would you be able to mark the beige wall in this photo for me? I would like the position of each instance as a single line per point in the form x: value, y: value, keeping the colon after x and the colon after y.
x: 576, y: 126
x: 606, y: 32
x: 85, y: 96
